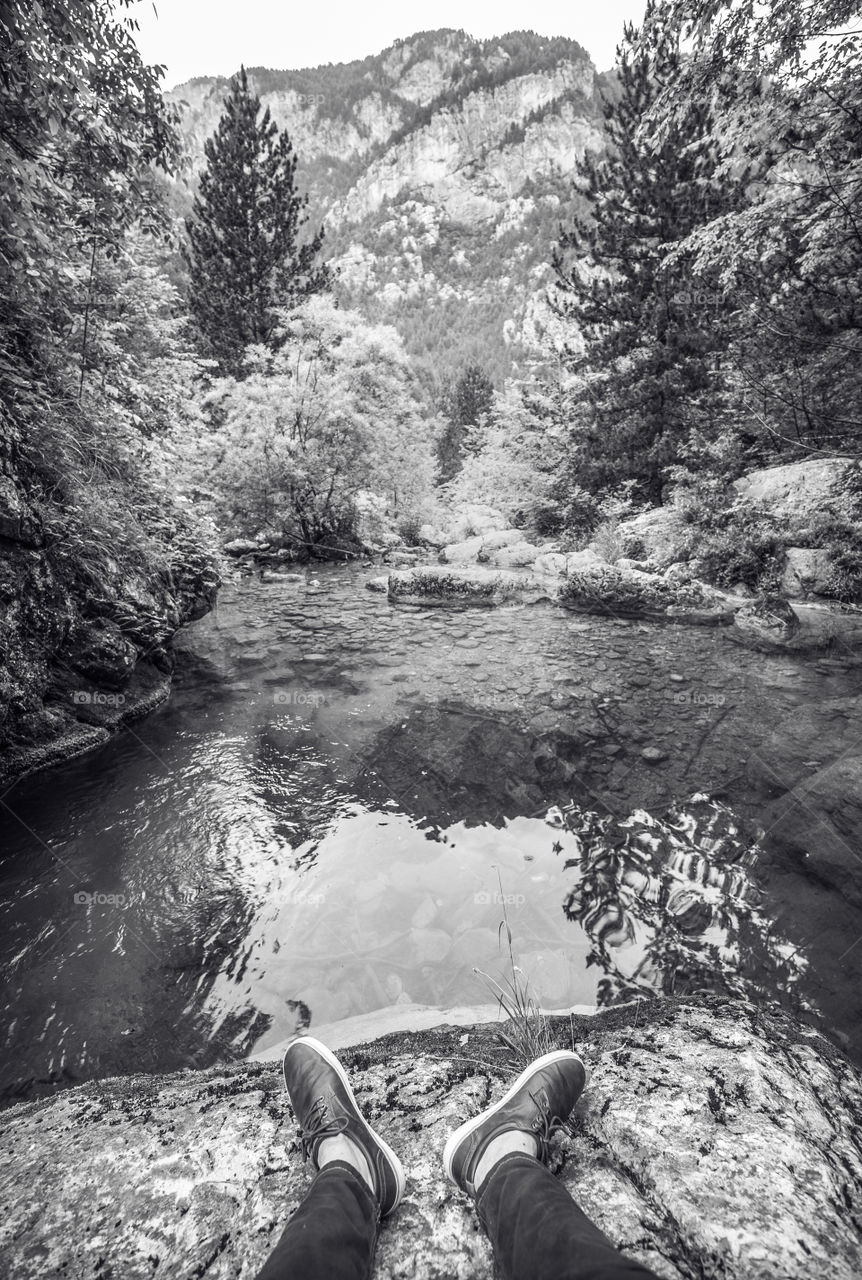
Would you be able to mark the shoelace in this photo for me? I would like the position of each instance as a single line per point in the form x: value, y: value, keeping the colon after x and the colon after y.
x: 544, y: 1125
x: 320, y: 1125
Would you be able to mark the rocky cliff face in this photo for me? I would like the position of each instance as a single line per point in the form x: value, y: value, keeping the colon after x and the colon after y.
x: 79, y: 655
x: 441, y: 168
x: 712, y: 1140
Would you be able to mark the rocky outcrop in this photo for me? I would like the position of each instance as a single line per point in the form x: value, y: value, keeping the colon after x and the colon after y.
x: 712, y: 1139
x: 797, y: 489
x: 442, y: 158
x: 404, y: 154
x: 81, y: 657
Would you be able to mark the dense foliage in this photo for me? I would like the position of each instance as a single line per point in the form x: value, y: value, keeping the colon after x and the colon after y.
x: 704, y: 295
x: 92, y: 363
x: 289, y: 450
x: 466, y: 406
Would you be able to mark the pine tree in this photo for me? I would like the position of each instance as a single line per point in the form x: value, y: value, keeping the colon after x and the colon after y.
x: 470, y: 401
x: 246, y: 254
x: 647, y: 334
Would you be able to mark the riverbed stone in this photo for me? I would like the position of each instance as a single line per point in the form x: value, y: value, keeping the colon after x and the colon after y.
x: 712, y: 1139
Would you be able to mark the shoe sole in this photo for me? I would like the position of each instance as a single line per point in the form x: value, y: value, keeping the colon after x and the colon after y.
x: 330, y: 1058
x: 455, y: 1139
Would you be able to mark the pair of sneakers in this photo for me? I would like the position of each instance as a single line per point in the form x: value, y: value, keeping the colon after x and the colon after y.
x: 539, y: 1101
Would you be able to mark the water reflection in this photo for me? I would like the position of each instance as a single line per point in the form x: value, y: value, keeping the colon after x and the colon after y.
x: 670, y: 905
x: 313, y: 826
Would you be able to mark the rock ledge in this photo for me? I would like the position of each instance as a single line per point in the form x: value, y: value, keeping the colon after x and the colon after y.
x: 712, y: 1140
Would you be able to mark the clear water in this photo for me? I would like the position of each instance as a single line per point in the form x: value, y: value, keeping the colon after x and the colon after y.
x: 340, y: 799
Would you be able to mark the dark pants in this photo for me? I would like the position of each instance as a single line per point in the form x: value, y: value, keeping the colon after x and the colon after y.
x: 534, y: 1225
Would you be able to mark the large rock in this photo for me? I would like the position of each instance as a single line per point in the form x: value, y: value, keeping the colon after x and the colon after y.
x: 768, y: 623
x: 712, y: 1140
x: 652, y: 535
x: 465, y: 552
x: 243, y: 547
x: 481, y: 547
x: 473, y: 585
x: 84, y: 652
x: 797, y: 489
x: 607, y: 589
x: 817, y: 823
x: 102, y: 654
x: 518, y: 555
x: 807, y: 571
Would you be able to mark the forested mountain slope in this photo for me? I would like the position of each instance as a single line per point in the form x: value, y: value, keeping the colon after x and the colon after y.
x: 442, y: 168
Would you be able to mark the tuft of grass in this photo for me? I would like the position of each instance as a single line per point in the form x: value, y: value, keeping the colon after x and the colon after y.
x: 529, y: 1034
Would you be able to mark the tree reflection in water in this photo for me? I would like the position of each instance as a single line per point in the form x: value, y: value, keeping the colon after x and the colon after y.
x: 670, y: 906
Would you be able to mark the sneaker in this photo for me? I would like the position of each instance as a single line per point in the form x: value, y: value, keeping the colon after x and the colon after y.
x: 539, y: 1101
x: 325, y: 1107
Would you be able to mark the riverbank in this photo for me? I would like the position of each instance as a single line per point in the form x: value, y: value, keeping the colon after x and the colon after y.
x: 712, y: 1139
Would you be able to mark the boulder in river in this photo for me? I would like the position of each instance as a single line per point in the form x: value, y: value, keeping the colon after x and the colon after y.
x: 607, y: 589
x: 243, y: 547
x: 712, y: 1139
x: 767, y: 623
x: 474, y: 584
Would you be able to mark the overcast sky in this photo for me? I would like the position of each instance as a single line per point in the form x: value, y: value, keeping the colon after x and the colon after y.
x: 212, y: 37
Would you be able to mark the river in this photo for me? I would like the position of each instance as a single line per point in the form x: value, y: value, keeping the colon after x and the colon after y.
x: 342, y: 800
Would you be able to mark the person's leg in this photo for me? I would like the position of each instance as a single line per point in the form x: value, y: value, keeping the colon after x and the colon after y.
x: 333, y: 1233
x: 498, y: 1157
x: 538, y: 1232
